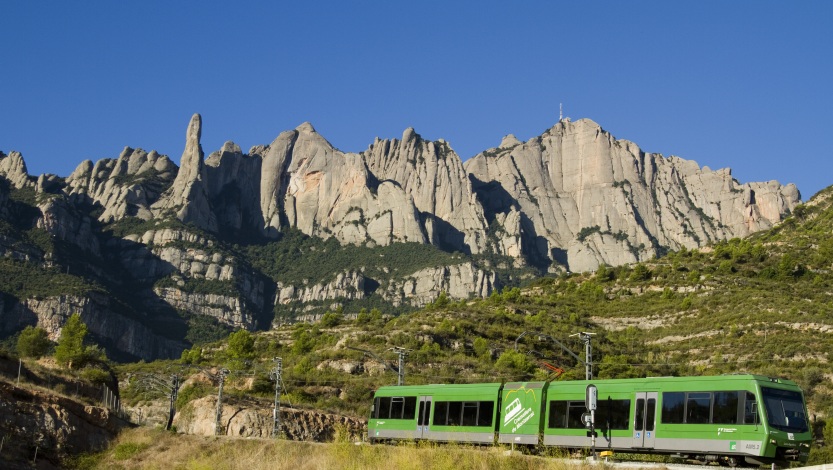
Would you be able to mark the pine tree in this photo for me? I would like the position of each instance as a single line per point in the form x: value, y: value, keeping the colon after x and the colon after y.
x: 70, y: 350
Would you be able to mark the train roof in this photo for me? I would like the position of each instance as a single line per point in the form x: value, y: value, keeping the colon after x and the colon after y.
x: 668, y: 380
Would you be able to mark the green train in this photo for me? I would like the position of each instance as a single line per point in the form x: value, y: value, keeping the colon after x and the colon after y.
x: 736, y: 420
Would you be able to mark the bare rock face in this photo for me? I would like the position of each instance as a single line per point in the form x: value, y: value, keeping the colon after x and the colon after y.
x: 309, y: 185
x: 235, y: 295
x: 65, y: 223
x: 253, y: 418
x: 432, y: 174
x: 104, y: 320
x: 227, y: 309
x: 127, y: 186
x: 234, y: 188
x: 587, y: 198
x: 346, y: 285
x: 58, y: 426
x: 188, y: 197
x: 13, y: 168
x: 459, y: 281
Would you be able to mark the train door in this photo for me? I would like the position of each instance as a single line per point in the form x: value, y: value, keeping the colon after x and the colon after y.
x: 644, y: 420
x: 423, y: 417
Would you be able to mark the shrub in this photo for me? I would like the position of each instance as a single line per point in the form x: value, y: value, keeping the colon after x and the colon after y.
x: 640, y: 273
x: 32, y: 342
x: 192, y: 392
x: 331, y: 319
x: 96, y: 375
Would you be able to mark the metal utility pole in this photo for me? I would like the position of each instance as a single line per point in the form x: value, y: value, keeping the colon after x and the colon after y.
x: 276, y: 376
x: 222, y: 378
x: 402, y: 352
x: 588, y: 353
x: 174, y: 393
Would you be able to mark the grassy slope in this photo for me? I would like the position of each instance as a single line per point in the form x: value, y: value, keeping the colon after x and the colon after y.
x: 150, y: 449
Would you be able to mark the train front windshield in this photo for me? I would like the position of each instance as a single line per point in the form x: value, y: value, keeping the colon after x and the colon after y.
x: 785, y: 410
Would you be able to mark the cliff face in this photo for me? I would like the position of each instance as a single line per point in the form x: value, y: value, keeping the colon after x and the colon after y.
x: 172, y: 243
x: 432, y: 175
x: 309, y: 185
x: 251, y: 418
x: 586, y: 198
x: 56, y: 425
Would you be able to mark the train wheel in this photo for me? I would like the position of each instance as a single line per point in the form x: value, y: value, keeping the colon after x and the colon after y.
x: 735, y: 462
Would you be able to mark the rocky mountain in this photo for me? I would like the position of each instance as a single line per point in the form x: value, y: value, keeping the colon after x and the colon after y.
x: 585, y: 198
x: 293, y: 229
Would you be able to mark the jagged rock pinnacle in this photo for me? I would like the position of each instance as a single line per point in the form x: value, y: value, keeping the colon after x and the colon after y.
x: 409, y: 134
x: 305, y: 128
x: 509, y: 141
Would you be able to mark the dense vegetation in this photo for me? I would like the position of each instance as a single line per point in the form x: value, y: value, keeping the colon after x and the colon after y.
x: 296, y: 257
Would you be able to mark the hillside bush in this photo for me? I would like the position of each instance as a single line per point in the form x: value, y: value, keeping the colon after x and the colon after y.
x: 33, y: 342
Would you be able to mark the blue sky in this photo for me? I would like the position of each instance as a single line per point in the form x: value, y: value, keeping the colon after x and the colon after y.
x: 743, y: 84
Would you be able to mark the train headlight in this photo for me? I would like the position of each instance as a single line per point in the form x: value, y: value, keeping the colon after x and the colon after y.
x: 772, y: 441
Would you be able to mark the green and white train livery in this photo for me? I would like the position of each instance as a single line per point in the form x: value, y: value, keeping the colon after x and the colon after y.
x: 733, y: 419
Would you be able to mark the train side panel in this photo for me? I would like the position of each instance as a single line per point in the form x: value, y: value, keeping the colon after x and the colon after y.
x: 717, y: 417
x: 521, y: 415
x: 454, y: 413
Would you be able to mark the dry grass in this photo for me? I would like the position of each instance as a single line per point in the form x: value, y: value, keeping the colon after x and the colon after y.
x: 146, y: 448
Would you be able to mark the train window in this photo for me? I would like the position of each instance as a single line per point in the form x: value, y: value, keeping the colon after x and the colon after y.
x: 673, y: 407
x: 698, y: 407
x: 470, y: 413
x: 440, y: 413
x: 463, y: 413
x: 484, y: 417
x: 566, y: 415
x: 613, y: 414
x: 558, y: 415
x: 421, y: 414
x: 750, y: 409
x: 409, y: 411
x: 725, y: 409
x: 574, y: 412
x: 784, y: 409
x: 383, y: 408
x: 395, y: 408
x: 651, y: 415
x: 397, y: 404
x: 455, y: 412
x: 639, y: 414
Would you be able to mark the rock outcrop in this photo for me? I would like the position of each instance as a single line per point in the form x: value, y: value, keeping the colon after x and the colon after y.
x: 188, y: 197
x: 346, y: 286
x: 234, y: 189
x: 459, y: 281
x: 106, y: 323
x: 13, y: 168
x: 309, y: 185
x: 432, y: 174
x: 126, y: 186
x: 586, y: 198
x: 57, y: 426
x: 253, y: 418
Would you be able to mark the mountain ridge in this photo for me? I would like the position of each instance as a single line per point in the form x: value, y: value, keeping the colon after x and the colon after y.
x: 178, y: 237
